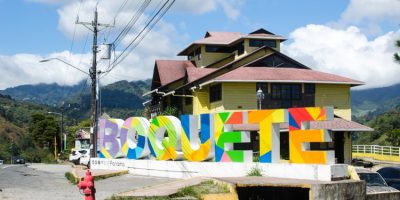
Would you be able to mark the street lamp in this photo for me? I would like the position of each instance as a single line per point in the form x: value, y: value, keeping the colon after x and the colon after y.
x: 94, y: 99
x: 260, y: 97
x: 50, y: 59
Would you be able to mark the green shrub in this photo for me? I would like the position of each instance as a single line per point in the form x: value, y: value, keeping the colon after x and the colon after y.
x: 71, y: 178
x: 255, y: 171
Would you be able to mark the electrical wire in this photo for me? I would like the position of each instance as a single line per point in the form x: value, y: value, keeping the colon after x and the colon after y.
x: 128, y: 27
x: 139, y: 12
x: 131, y: 23
x: 145, y: 30
x: 73, y: 36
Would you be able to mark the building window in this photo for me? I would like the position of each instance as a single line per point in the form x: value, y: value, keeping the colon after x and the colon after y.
x: 188, y: 101
x: 217, y: 49
x: 215, y: 93
x: 260, y: 43
x: 286, y: 91
x: 309, y: 88
x: 240, y: 48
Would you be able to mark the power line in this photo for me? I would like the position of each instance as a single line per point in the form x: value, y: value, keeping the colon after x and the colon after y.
x: 128, y: 27
x: 73, y: 36
x: 145, y: 30
x: 106, y: 35
x: 131, y: 23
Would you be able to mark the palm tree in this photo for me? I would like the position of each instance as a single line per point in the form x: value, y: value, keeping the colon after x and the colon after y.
x: 397, y: 55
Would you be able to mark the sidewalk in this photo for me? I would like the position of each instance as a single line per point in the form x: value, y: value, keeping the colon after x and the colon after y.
x: 79, y: 171
x: 163, y: 190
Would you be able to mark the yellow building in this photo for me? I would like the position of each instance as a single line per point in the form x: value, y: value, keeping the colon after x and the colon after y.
x: 225, y: 70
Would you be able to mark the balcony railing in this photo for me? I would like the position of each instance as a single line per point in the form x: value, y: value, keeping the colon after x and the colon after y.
x: 154, y: 110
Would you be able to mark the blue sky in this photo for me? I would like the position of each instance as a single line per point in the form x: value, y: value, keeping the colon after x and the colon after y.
x: 352, y: 38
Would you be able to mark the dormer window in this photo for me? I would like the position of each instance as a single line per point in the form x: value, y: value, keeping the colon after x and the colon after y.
x: 260, y: 43
x: 217, y: 49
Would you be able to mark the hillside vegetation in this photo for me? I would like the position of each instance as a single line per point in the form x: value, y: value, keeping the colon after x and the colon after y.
x: 48, y: 94
x: 371, y: 102
x: 386, y: 130
x: 18, y: 135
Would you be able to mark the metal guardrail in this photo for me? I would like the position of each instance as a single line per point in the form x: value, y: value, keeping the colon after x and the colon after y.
x: 376, y: 149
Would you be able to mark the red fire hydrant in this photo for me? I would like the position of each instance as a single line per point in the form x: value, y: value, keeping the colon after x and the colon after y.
x: 87, y: 185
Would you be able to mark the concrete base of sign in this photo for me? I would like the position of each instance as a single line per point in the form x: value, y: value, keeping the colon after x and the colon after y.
x: 187, y: 169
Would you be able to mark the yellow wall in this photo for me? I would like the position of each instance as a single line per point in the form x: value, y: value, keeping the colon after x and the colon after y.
x: 249, y: 49
x: 201, y: 101
x: 239, y: 96
x: 235, y: 96
x: 210, y: 57
x: 347, y: 148
x: 337, y: 96
x: 216, y: 106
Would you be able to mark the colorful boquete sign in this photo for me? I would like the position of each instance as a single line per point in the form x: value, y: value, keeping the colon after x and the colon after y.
x: 170, y: 138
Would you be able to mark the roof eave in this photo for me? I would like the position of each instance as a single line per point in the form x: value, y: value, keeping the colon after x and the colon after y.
x: 276, y: 81
x: 265, y: 37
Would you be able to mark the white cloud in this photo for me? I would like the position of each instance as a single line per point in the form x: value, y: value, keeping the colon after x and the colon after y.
x: 231, y: 8
x: 347, y: 52
x: 26, y: 69
x: 371, y: 10
x: 370, y: 15
x: 195, y: 6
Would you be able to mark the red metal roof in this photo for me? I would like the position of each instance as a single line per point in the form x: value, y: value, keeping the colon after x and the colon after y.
x: 227, y: 38
x: 282, y: 74
x: 196, y: 73
x: 337, y: 124
x: 219, y: 38
x: 172, y: 70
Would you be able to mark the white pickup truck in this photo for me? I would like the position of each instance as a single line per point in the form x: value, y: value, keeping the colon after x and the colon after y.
x: 80, y: 156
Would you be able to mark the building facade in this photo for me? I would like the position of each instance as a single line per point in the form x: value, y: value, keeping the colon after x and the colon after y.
x: 224, y: 71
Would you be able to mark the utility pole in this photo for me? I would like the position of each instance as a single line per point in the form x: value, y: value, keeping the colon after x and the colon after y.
x: 93, y: 26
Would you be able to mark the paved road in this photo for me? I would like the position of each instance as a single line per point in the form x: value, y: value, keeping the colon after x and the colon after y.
x: 40, y: 182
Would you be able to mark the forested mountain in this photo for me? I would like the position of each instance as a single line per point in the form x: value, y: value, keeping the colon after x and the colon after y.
x: 28, y: 129
x: 371, y: 102
x: 120, y: 99
x: 48, y: 94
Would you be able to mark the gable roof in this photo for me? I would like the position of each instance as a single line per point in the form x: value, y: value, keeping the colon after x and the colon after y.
x: 168, y: 71
x: 264, y: 34
x: 223, y: 38
x: 229, y: 38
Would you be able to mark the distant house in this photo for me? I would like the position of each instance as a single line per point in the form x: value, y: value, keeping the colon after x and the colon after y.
x: 82, y: 139
x: 224, y: 71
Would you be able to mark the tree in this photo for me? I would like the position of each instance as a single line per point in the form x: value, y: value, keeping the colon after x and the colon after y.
x: 44, y: 129
x: 397, y: 55
x: 394, y: 137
